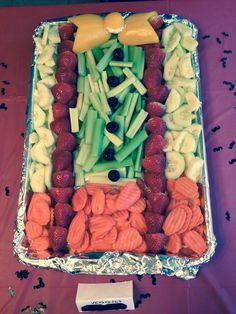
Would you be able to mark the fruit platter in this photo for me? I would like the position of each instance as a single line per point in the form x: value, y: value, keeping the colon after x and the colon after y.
x: 114, y: 177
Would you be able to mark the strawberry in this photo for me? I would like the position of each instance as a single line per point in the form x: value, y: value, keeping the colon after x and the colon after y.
x: 66, y: 75
x: 154, y: 181
x: 154, y: 163
x: 63, y: 214
x: 147, y: 46
x: 152, y: 77
x: 69, y: 168
x: 141, y: 184
x: 63, y: 179
x: 59, y: 110
x: 158, y: 201
x: 66, y: 45
x: 156, y: 125
x: 61, y: 159
x: 158, y: 93
x: 57, y: 237
x: 154, y: 57
x: 72, y: 102
x: 154, y: 222
x: 66, y: 31
x: 156, y: 22
x: 60, y: 125
x: 154, y: 144
x: 156, y: 242
x: 66, y: 141
x: 61, y: 195
x: 155, y: 109
x: 67, y: 59
x: 63, y: 92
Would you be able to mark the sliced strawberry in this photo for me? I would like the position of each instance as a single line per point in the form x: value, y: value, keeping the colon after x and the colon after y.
x: 63, y: 92
x: 154, y: 163
x: 155, y: 109
x: 156, y: 22
x: 154, y: 144
x: 61, y: 195
x: 152, y: 77
x: 158, y: 93
x: 66, y: 75
x: 154, y: 222
x: 66, y: 45
x: 156, y: 125
x: 154, y: 181
x: 66, y: 31
x: 61, y: 159
x: 67, y: 59
x: 63, y: 179
x: 154, y: 57
x: 59, y: 110
x: 63, y: 214
x: 155, y: 242
x: 60, y: 125
x: 158, y: 202
x: 57, y: 237
x: 66, y: 141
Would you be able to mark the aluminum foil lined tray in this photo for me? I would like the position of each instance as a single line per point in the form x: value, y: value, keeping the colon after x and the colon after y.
x: 112, y: 262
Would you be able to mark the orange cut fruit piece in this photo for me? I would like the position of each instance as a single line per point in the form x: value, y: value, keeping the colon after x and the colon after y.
x: 79, y: 199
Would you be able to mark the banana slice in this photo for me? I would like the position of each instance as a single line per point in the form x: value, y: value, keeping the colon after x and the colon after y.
x: 177, y: 72
x: 173, y: 101
x: 45, y: 97
x: 179, y: 50
x: 44, y: 71
x: 175, y: 134
x: 186, y: 84
x: 40, y: 153
x: 32, y: 169
x: 189, y: 144
x: 194, y: 169
x: 195, y: 129
x: 175, y: 165
x: 49, y: 81
x: 188, y: 157
x: 48, y: 176
x: 37, y: 181
x: 168, y: 118
x: 183, y: 29
x: 39, y: 116
x: 53, y: 35
x: 50, y: 117
x: 185, y: 66
x: 38, y: 166
x: 192, y: 101
x: 46, y: 136
x: 169, y: 142
x: 179, y: 140
x: 167, y: 34
x: 183, y: 116
x: 33, y: 138
x: 170, y: 67
x: 189, y: 43
x: 173, y: 42
x: 47, y: 54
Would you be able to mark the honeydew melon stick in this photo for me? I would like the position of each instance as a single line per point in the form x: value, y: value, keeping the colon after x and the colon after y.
x: 105, y: 107
x: 123, y: 94
x: 104, y: 61
x: 96, y: 87
x: 141, y: 66
x: 90, y: 123
x: 117, y: 71
x: 113, y: 164
x: 113, y: 138
x: 117, y: 112
x: 138, y: 174
x: 108, y: 43
x: 101, y: 88
x: 131, y: 110
x: 123, y: 64
x: 104, y: 81
x: 79, y: 176
x: 85, y: 105
x: 131, y: 172
x: 91, y: 64
x: 81, y: 64
x: 138, y: 106
x: 98, y: 136
x: 137, y: 84
x: 82, y: 130
x: 84, y: 153
x: 131, y: 146
x: 74, y: 119
x: 136, y: 59
x: 109, y: 71
x: 91, y: 83
x: 118, y: 89
x: 97, y: 106
x: 97, y: 52
x: 131, y: 53
x: 104, y: 50
x: 80, y: 102
x: 120, y: 133
x: 135, y: 126
x: 139, y: 156
x: 80, y: 84
x: 127, y: 103
x: 103, y: 180
x: 126, y: 53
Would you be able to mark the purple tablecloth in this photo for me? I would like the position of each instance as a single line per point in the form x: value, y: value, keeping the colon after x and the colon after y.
x: 214, y: 289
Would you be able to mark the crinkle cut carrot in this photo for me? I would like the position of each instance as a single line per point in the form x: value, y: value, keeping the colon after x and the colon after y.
x: 79, y: 199
x: 139, y: 206
x: 41, y: 196
x: 100, y: 225
x: 121, y: 215
x: 40, y: 244
x: 196, y: 219
x: 128, y: 196
x: 92, y: 187
x: 128, y: 240
x: 186, y: 187
x: 98, y: 202
x: 39, y: 212
x: 137, y: 221
x: 143, y: 248
x: 195, y: 242
x: 80, y: 248
x: 170, y: 185
x: 189, y: 214
x: 88, y: 208
x: 174, y: 244
x: 77, y: 229
x: 122, y: 225
x: 33, y: 230
x: 174, y: 221
x: 111, y: 236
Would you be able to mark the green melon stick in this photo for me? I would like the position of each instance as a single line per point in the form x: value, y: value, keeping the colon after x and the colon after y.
x: 120, y: 133
x: 131, y: 146
x: 138, y: 161
x: 81, y: 64
x: 137, y: 123
x: 104, y: 81
x: 105, y: 106
x: 104, y: 50
x: 141, y: 65
x: 113, y: 138
x: 126, y: 53
x: 91, y: 83
x: 137, y: 84
x: 117, y: 112
x: 104, y: 61
x: 122, y: 95
x: 84, y: 153
x: 101, y: 87
x: 138, y: 174
x: 98, y: 136
x: 118, y: 89
x: 103, y: 174
x: 131, y: 172
x: 90, y: 123
x: 117, y: 71
x: 80, y: 84
x: 143, y: 104
x: 81, y: 133
x: 123, y: 64
x: 97, y: 106
x: 74, y: 119
x: 127, y: 103
x: 108, y: 43
x: 86, y: 101
x: 131, y: 111
x: 91, y: 64
x: 113, y: 164
x: 79, y: 176
x: 97, y: 52
x: 79, y: 102
x: 136, y: 59
x: 103, y: 180
x: 138, y: 106
x: 109, y: 71
x: 131, y: 53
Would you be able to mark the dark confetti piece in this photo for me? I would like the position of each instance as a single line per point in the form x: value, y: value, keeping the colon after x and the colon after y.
x: 223, y: 59
x: 42, y: 305
x: 228, y: 51
x: 218, y: 40
x: 227, y: 215
x: 231, y: 144
x: 231, y: 87
x: 137, y: 303
x: 7, y: 191
x: 22, y: 274
x: 140, y: 277
x: 235, y: 95
x: 232, y: 161
x: 22, y: 134
x: 40, y: 284
x: 217, y: 149
x: 3, y: 106
x: 112, y: 280
x: 3, y: 91
x: 6, y: 82
x: 206, y: 36
x: 225, y: 34
x: 216, y: 128
x: 26, y: 309
x: 11, y: 292
x: 224, y: 64
x: 227, y: 83
x: 4, y: 65
x: 145, y: 296
x: 154, y: 280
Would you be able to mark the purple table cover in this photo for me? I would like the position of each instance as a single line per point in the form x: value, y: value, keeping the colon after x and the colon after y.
x: 214, y: 289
